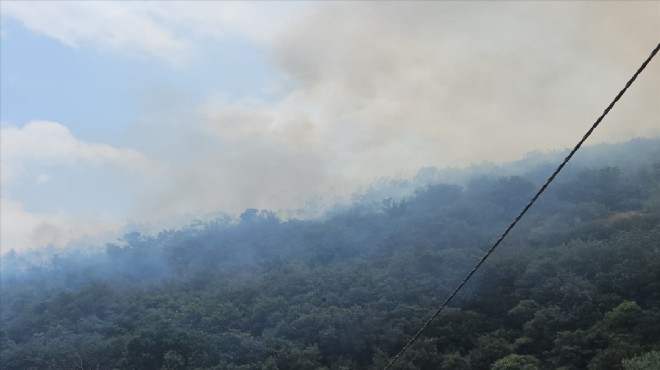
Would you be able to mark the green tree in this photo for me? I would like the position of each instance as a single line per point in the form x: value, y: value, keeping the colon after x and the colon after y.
x: 488, y: 349
x: 646, y: 361
x: 516, y: 362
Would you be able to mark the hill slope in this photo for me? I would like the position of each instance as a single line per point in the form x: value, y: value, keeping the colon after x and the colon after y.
x: 577, y: 285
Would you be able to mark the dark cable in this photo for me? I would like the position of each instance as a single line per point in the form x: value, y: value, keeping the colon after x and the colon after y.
x: 527, y: 207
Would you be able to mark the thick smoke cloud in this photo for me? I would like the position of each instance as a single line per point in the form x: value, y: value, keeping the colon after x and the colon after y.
x: 382, y: 89
x: 364, y: 90
x: 452, y: 84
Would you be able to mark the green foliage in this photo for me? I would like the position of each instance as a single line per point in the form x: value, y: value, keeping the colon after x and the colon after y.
x: 576, y: 287
x: 454, y: 361
x: 523, y: 311
x: 624, y: 317
x: 516, y: 362
x: 488, y: 349
x: 646, y: 361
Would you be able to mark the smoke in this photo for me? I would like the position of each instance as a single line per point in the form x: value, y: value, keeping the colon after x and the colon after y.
x: 23, y: 229
x: 362, y: 91
x: 382, y: 89
x: 454, y: 84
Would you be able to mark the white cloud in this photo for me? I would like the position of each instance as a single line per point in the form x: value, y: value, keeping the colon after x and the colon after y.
x: 166, y: 30
x: 106, y: 25
x: 43, y: 179
x: 48, y: 143
x: 26, y: 152
x: 261, y: 21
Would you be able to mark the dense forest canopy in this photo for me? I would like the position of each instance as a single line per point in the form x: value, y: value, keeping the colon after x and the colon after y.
x: 576, y: 286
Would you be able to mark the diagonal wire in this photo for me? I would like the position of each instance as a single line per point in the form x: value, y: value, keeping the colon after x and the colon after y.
x: 522, y: 213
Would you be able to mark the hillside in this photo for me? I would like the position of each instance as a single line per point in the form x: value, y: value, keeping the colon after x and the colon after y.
x: 576, y: 286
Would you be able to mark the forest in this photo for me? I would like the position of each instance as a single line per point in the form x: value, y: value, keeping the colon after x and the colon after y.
x: 575, y: 286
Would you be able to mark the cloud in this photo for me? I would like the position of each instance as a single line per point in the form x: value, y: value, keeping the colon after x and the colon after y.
x: 261, y: 21
x: 164, y: 30
x: 43, y: 179
x: 29, y: 157
x: 109, y: 26
x: 45, y: 143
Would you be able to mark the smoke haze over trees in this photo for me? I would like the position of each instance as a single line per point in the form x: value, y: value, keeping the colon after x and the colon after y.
x: 576, y: 286
x: 148, y: 109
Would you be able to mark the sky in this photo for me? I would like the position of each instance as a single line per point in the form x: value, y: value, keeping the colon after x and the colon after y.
x: 132, y: 113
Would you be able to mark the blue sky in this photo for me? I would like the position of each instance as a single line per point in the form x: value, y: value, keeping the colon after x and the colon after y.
x: 46, y: 79
x: 116, y: 113
x: 100, y: 97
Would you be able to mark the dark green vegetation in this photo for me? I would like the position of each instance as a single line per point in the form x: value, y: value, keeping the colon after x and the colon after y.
x: 576, y: 286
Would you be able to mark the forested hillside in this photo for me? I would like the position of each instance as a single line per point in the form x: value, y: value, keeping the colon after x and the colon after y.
x: 576, y: 286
